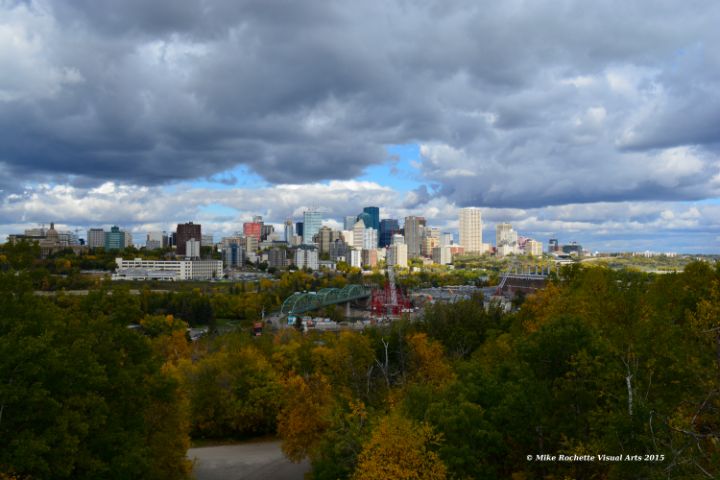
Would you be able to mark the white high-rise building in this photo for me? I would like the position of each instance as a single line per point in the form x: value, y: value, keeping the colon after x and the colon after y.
x: 192, y: 248
x: 533, y: 248
x: 307, y: 257
x: 506, y: 240
x: 471, y: 230
x: 358, y: 241
x: 397, y: 255
x: 370, y: 239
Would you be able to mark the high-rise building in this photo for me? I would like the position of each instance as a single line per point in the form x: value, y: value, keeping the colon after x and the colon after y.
x: 289, y: 231
x: 115, y: 239
x: 233, y: 252
x: 370, y: 257
x: 186, y: 231
x: 207, y: 241
x: 358, y: 241
x: 299, y: 229
x: 370, y: 239
x: 192, y: 248
x: 428, y: 244
x: 442, y: 255
x: 312, y: 221
x: 156, y: 240
x: 446, y: 239
x: 366, y: 219
x: 533, y: 248
x: 306, y: 256
x: 253, y: 229
x: 266, y: 231
x: 339, y: 250
x: 388, y: 227
x: 553, y: 245
x: 397, y: 255
x: 324, y: 237
x: 277, y: 258
x: 374, y: 213
x: 505, y: 240
x: 413, y: 235
x: 471, y: 227
x: 349, y: 222
x: 96, y: 238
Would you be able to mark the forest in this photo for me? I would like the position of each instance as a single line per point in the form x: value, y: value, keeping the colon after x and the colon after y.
x: 601, y: 362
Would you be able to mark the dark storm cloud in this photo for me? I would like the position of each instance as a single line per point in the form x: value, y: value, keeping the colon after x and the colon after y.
x: 515, y: 103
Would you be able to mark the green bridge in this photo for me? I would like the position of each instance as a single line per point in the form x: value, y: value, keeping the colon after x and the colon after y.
x: 307, y: 301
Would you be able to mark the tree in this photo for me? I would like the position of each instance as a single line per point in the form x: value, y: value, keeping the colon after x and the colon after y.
x: 400, y: 449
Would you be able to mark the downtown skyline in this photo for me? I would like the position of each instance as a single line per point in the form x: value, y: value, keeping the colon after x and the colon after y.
x: 589, y: 126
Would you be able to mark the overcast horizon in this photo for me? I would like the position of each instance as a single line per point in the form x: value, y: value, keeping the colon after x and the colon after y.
x: 596, y: 123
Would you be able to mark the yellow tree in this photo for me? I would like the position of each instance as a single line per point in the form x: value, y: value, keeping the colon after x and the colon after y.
x: 400, y: 449
x: 305, y: 416
x: 427, y: 361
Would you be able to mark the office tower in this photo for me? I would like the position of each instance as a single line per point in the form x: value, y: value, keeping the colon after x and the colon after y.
x: 156, y: 240
x: 388, y: 227
x: 428, y: 243
x: 413, y: 235
x: 186, y: 231
x: 446, y: 239
x: 192, y: 248
x: 370, y: 257
x: 533, y: 248
x: 370, y: 239
x: 253, y: 229
x: 207, y: 241
x: 233, y: 255
x: 96, y: 238
x: 312, y: 221
x: 553, y: 245
x: 505, y: 240
x: 289, y: 230
x: 365, y: 218
x: 339, y: 250
x: 115, y: 239
x: 251, y: 244
x: 306, y: 256
x: 471, y: 230
x: 442, y: 255
x: 277, y: 258
x: 349, y: 222
x: 299, y: 229
x: 398, y: 239
x: 266, y: 231
x: 397, y: 255
x: 358, y: 240
x: 374, y: 213
x: 128, y: 239
x: 324, y: 237
x: 233, y: 251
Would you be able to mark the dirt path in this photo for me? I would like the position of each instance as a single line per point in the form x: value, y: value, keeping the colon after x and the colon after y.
x: 247, y: 461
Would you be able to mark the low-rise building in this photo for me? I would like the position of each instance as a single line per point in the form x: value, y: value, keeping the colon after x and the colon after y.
x: 177, y: 269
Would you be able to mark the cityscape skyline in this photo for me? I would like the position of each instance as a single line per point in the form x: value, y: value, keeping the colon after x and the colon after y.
x: 586, y: 128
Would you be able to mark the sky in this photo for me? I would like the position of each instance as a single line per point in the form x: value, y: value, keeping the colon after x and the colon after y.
x: 595, y: 122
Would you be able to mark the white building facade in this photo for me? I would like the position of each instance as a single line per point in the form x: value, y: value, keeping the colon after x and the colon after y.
x: 471, y: 227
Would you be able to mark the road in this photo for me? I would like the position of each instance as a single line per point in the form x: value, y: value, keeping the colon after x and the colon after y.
x: 247, y: 461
